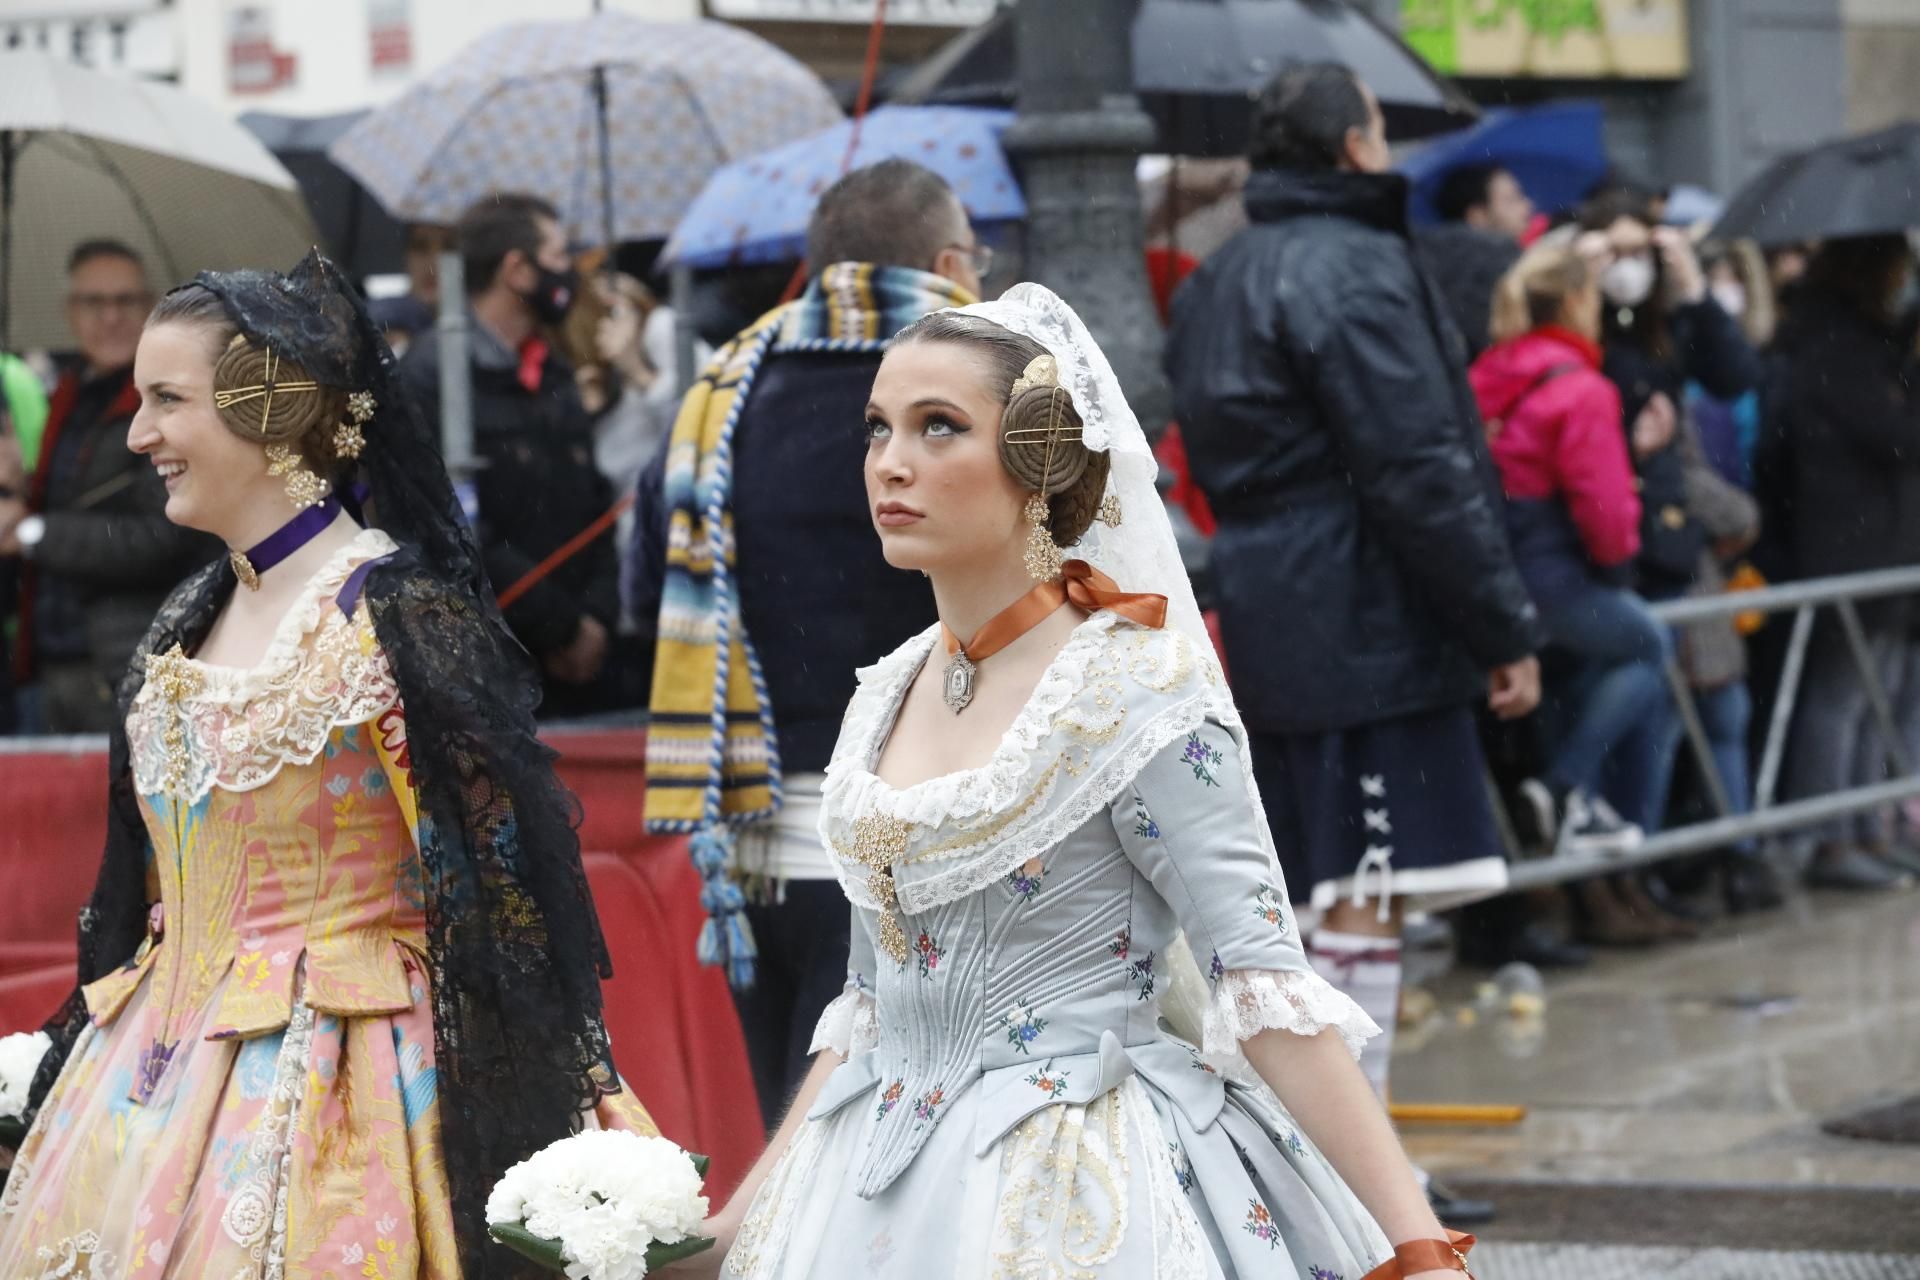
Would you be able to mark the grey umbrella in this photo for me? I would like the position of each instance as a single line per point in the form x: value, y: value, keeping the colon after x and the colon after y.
x: 1197, y: 65
x: 85, y: 155
x: 1861, y: 186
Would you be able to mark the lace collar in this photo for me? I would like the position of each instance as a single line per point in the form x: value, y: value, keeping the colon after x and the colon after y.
x: 964, y: 793
x: 234, y: 686
x: 237, y: 727
x: 1114, y: 695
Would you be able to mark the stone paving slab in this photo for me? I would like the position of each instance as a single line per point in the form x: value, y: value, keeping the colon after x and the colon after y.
x: 1625, y: 1262
x: 1702, y: 1216
x: 1709, y: 1063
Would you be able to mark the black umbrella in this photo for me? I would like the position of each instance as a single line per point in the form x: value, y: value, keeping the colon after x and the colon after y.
x: 1869, y: 185
x: 362, y: 237
x: 1197, y: 65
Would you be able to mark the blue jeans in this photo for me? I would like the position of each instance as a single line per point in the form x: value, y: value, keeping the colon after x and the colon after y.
x: 1609, y: 717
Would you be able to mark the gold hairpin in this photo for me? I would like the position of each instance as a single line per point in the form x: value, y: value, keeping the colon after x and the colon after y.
x: 240, y: 395
x: 1042, y: 435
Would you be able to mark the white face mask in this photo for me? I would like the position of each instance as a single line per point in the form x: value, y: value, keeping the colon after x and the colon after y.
x: 1732, y: 297
x: 1627, y: 281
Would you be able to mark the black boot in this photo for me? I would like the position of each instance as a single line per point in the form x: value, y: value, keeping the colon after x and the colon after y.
x: 1457, y: 1211
x: 1750, y: 884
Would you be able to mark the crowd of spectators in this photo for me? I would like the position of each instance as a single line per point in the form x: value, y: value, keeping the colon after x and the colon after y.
x: 1649, y: 417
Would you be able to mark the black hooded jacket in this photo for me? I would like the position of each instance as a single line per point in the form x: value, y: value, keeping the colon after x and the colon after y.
x: 1838, y: 464
x: 1361, y: 566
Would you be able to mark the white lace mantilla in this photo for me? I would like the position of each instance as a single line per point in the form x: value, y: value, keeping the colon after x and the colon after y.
x: 1249, y: 1001
x: 1113, y: 697
x: 323, y: 670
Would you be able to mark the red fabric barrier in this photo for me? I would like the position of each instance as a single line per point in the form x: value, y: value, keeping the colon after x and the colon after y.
x: 674, y: 1032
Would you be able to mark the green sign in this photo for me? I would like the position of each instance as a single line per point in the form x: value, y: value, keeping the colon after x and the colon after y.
x: 1563, y: 38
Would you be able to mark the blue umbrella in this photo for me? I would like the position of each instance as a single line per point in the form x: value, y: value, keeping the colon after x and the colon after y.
x: 755, y: 210
x: 1556, y: 152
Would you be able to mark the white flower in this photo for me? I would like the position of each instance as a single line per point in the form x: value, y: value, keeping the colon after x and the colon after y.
x: 606, y: 1195
x: 20, y: 1056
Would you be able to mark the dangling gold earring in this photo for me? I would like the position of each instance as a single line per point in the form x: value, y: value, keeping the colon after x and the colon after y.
x: 1110, y: 511
x: 1043, y: 556
x: 304, y: 489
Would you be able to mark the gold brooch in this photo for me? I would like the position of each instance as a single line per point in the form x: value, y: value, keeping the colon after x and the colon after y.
x: 174, y: 677
x: 348, y: 438
x: 243, y: 570
x: 879, y: 842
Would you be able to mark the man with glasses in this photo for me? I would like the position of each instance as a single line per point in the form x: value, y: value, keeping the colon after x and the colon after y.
x: 885, y: 245
x: 90, y: 535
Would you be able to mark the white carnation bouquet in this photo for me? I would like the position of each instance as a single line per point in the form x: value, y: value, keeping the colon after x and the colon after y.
x: 605, y: 1204
x: 20, y: 1056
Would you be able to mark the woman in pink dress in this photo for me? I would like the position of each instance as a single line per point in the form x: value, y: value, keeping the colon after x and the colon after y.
x: 341, y: 967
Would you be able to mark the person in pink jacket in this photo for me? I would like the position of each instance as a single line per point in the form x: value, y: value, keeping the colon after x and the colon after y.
x: 1554, y: 428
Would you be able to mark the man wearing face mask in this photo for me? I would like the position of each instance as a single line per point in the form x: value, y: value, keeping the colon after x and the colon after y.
x: 537, y: 485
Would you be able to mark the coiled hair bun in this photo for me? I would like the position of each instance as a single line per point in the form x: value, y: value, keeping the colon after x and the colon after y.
x: 1040, y: 446
x: 1073, y: 477
x: 303, y: 417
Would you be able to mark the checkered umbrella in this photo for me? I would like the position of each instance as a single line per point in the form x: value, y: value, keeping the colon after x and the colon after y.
x: 522, y: 109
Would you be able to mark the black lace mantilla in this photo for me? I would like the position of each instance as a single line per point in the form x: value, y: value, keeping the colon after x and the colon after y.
x: 514, y: 947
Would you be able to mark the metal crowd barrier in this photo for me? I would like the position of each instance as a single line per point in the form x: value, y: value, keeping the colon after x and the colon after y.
x: 1768, y: 816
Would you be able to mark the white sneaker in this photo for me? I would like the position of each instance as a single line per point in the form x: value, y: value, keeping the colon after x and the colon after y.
x: 1591, y: 826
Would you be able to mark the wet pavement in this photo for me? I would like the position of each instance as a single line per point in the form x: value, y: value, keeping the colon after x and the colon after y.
x: 1580, y: 1262
x: 1675, y: 1099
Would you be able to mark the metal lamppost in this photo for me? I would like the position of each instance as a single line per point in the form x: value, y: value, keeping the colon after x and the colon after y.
x: 1077, y: 140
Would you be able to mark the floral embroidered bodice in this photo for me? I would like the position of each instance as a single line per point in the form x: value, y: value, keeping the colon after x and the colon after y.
x: 1042, y: 894
x: 281, y: 815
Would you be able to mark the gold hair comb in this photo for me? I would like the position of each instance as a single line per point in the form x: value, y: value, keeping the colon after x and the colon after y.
x: 1041, y: 371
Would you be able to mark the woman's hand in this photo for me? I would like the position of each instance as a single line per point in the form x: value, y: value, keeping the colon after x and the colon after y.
x: 1514, y: 690
x: 1684, y: 276
x: 707, y: 1265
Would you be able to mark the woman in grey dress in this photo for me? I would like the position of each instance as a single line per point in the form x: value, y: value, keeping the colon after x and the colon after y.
x: 1040, y: 830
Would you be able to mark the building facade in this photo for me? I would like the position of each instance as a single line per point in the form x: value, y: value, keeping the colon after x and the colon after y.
x: 1696, y: 91
x: 292, y: 57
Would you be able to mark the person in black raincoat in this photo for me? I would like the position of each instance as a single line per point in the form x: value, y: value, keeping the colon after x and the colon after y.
x: 1838, y: 474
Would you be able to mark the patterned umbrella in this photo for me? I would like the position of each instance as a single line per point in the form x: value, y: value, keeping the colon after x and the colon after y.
x: 756, y: 210
x: 517, y: 110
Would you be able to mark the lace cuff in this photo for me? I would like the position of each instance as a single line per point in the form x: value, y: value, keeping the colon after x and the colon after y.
x: 1249, y: 1001
x: 850, y: 1025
